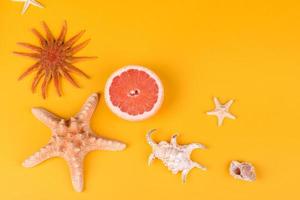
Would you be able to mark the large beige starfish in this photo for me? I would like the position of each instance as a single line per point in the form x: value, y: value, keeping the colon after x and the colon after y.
x: 71, y: 139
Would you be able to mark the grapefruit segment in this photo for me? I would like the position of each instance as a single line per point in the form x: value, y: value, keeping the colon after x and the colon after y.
x: 134, y: 93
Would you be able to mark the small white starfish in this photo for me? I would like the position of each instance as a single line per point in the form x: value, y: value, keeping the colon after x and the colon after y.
x: 27, y: 3
x: 221, y: 111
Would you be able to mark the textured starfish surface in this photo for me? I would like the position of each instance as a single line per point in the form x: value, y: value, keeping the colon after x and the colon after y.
x: 174, y: 156
x: 242, y: 170
x: 54, y: 58
x: 221, y: 111
x: 27, y: 3
x: 71, y: 139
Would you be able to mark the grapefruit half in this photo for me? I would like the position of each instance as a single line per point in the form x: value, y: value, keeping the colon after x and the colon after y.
x: 134, y: 93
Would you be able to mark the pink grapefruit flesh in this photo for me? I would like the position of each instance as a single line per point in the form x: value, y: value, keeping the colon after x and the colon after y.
x: 134, y: 93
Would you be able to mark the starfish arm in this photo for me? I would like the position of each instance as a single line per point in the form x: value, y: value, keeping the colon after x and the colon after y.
x: 230, y: 116
x: 174, y: 139
x: 217, y: 102
x: 37, y: 4
x: 75, y: 49
x: 151, y: 158
x: 220, y: 120
x: 43, y: 154
x: 98, y: 143
x: 25, y: 7
x: 88, y: 108
x: 69, y: 78
x: 74, y: 59
x: 74, y: 39
x: 228, y: 104
x: 56, y: 81
x: 45, y: 84
x: 49, y: 34
x: 49, y: 119
x: 63, y: 32
x: 19, y: 0
x: 29, y: 70
x: 43, y: 41
x: 76, y: 172
x: 31, y: 55
x: 30, y: 46
x: 212, y: 112
x: 72, y: 68
x: 39, y: 75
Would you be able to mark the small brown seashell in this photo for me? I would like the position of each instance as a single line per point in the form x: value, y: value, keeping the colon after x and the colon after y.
x: 242, y: 170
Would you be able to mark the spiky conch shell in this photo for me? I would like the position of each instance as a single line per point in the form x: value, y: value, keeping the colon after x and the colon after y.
x: 175, y: 157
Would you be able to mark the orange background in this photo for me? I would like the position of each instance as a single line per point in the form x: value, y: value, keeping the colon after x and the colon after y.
x: 242, y: 50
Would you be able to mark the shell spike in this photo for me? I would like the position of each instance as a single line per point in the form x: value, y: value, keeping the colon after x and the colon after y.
x: 194, y: 146
x: 149, y: 139
x: 197, y: 165
x: 184, y: 175
x: 151, y: 158
x: 174, y: 139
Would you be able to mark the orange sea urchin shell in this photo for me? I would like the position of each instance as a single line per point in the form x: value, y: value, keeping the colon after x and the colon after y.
x: 55, y: 58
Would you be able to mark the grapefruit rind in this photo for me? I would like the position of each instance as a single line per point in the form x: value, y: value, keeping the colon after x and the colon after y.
x: 124, y: 115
